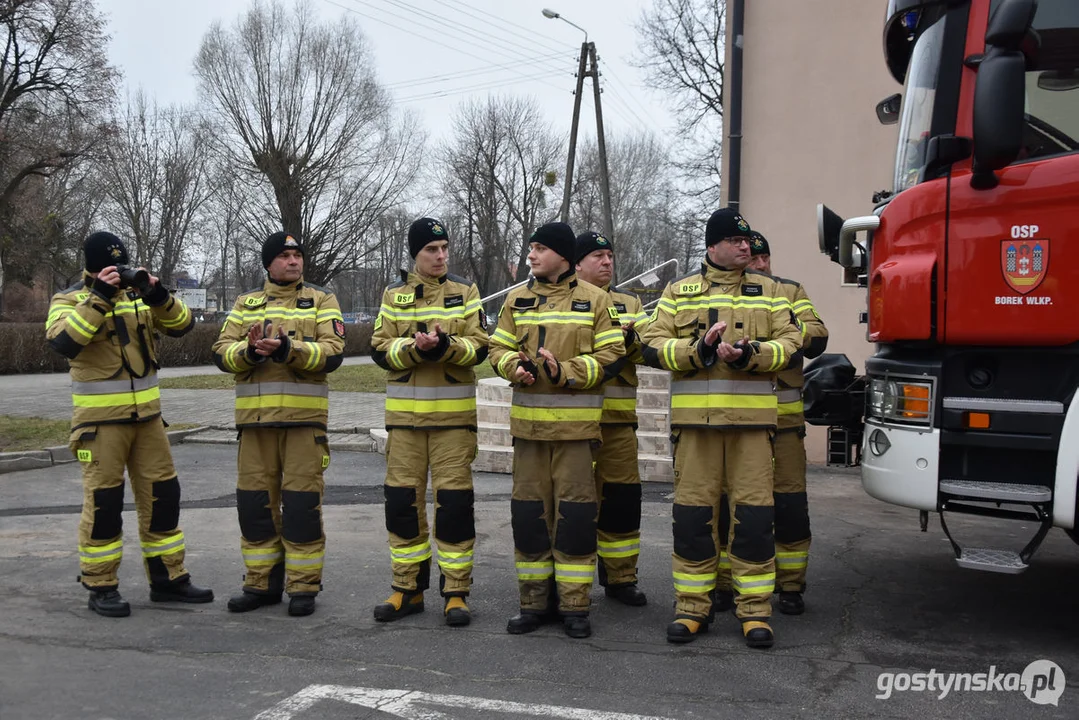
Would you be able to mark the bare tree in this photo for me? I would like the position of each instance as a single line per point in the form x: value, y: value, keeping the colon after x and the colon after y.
x: 55, y: 87
x: 682, y: 46
x: 156, y: 172
x: 646, y: 202
x: 305, y: 114
x: 492, y: 173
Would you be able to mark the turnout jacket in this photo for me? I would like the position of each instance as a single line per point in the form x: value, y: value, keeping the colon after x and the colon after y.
x: 579, y: 325
x: 721, y: 394
x: 434, y: 388
x: 108, y: 336
x: 288, y: 388
x: 620, y: 392
x: 790, y: 381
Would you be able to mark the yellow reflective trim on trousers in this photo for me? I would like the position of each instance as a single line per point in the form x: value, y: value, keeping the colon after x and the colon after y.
x: 694, y: 582
x: 532, y: 414
x: 739, y: 402
x: 257, y: 557
x: 411, y: 554
x: 619, y: 404
x: 535, y: 570
x: 117, y: 399
x: 92, y: 554
x: 282, y: 401
x: 430, y: 406
x: 574, y: 573
x: 169, y: 546
x: 618, y: 548
x: 300, y: 561
x: 754, y: 584
x: 793, y: 408
x: 795, y: 560
x: 454, y: 560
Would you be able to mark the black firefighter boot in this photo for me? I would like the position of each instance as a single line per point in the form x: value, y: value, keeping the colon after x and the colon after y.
x: 248, y: 601
x: 107, y: 602
x: 790, y: 603
x: 301, y: 604
x: 180, y: 591
x: 758, y: 632
x: 398, y: 605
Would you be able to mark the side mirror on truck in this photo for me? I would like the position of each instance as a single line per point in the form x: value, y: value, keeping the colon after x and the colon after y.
x: 1000, y: 91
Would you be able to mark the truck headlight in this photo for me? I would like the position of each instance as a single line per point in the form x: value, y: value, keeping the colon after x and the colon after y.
x: 907, y: 402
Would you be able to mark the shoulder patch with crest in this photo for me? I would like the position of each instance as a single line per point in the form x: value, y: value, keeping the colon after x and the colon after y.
x: 338, y: 328
x: 581, y: 306
x: 752, y: 290
x: 378, y: 321
x: 452, y: 301
x: 305, y: 303
x: 483, y: 319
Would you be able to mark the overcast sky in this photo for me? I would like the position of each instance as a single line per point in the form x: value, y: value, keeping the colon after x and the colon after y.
x: 417, y: 44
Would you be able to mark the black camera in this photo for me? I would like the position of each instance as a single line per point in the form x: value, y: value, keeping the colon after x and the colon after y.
x: 134, y: 278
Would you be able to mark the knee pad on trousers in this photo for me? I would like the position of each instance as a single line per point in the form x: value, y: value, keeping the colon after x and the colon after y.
x: 576, y: 533
x: 165, y: 512
x: 402, y: 518
x: 256, y: 520
x: 108, y: 509
x: 620, y: 510
x: 455, y: 520
x: 529, y: 528
x: 753, y: 540
x: 724, y: 529
x: 301, y: 516
x: 792, y: 517
x: 692, y: 534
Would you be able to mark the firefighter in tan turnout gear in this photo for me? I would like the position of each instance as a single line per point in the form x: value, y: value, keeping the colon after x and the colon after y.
x: 723, y: 333
x: 618, y: 479
x: 430, y: 332
x: 557, y: 341
x: 280, y: 341
x: 105, y: 326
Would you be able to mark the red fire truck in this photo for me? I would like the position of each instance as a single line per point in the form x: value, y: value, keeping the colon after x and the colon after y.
x: 971, y: 265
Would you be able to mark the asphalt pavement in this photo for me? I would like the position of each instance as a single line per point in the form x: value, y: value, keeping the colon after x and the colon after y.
x: 883, y: 598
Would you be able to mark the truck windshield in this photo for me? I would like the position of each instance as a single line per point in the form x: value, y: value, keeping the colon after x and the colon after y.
x: 1052, y: 97
x: 917, y: 114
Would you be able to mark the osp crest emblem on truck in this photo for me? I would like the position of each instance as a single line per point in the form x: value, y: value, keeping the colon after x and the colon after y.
x: 1024, y: 263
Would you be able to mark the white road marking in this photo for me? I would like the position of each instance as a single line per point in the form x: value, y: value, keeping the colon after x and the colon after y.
x: 425, y: 706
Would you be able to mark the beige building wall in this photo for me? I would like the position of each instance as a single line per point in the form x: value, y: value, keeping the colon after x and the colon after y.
x: 813, y: 73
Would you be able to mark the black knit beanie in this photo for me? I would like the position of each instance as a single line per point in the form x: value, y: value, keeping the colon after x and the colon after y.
x: 559, y: 237
x: 278, y: 243
x: 423, y: 231
x: 103, y: 249
x: 725, y: 223
x: 589, y: 242
x: 758, y: 245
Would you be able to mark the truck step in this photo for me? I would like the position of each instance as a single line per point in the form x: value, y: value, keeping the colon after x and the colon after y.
x: 991, y: 560
x: 999, y: 492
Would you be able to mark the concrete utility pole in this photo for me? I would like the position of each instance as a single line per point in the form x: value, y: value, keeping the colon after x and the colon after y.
x: 588, y: 52
x: 573, y: 131
x: 604, y: 176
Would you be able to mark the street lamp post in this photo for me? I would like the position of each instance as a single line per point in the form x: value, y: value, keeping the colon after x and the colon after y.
x: 588, y: 53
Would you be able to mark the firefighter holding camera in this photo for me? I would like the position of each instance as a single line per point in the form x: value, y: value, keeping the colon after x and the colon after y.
x: 105, y: 326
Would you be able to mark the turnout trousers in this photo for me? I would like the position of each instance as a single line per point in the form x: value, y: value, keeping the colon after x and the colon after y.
x: 279, y: 503
x: 707, y: 462
x: 792, y: 532
x: 553, y: 515
x: 103, y: 451
x: 448, y: 454
x: 618, y: 489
